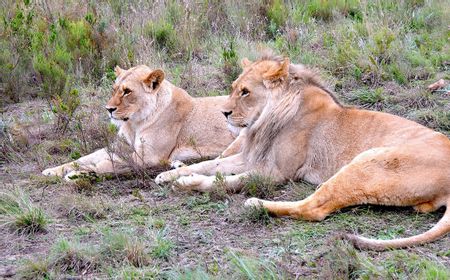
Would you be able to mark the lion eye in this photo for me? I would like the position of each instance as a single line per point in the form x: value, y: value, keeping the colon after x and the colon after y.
x: 245, y: 92
x: 126, y: 91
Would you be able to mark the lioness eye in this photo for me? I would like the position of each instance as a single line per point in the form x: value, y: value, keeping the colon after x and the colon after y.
x: 245, y: 92
x: 126, y: 91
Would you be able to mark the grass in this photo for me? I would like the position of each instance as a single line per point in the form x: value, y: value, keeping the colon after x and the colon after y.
x: 73, y: 257
x: 249, y: 268
x: 80, y: 207
x: 343, y: 261
x: 162, y: 247
x: 19, y: 213
x: 122, y: 247
x: 134, y: 273
x: 56, y: 71
x: 242, y: 267
x: 35, y: 269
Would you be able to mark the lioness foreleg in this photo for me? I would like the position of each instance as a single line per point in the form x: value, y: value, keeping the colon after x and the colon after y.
x: 84, y: 163
x: 231, y: 165
x: 100, y: 162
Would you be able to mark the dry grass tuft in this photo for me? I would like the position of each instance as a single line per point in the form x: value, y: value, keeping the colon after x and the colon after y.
x: 19, y: 213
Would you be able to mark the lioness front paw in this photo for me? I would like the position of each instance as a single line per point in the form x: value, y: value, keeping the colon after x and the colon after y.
x: 177, y: 164
x: 253, y: 202
x: 54, y: 171
x: 166, y: 177
x: 195, y: 182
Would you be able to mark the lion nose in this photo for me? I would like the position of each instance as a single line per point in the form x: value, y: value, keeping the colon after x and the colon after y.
x: 226, y: 114
x: 111, y: 109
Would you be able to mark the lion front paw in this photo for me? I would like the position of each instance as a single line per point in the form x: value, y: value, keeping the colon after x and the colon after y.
x: 253, y: 202
x: 54, y: 171
x: 166, y: 177
x: 195, y: 182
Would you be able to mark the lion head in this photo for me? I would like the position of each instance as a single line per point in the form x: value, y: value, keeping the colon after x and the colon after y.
x: 250, y: 90
x: 135, y: 93
x: 265, y: 98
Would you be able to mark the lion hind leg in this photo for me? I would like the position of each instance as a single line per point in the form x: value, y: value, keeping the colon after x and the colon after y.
x: 381, y: 176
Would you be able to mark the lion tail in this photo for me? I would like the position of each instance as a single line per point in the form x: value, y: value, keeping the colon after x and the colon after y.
x: 440, y: 229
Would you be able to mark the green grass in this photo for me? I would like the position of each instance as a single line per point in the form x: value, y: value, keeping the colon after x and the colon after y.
x: 162, y: 246
x: 71, y: 256
x: 122, y: 247
x: 80, y: 207
x: 19, y: 213
x: 35, y: 269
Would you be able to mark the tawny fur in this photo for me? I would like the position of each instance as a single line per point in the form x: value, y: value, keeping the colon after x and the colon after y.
x: 296, y: 129
x: 160, y: 121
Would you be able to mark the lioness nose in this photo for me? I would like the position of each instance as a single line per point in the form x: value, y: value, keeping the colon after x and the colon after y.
x: 111, y: 109
x: 226, y: 114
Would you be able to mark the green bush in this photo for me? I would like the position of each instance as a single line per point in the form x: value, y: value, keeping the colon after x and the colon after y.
x: 230, y: 68
x: 164, y: 34
x: 277, y: 16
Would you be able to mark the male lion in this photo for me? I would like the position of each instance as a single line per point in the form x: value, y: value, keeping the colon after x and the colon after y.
x: 159, y: 120
x: 297, y: 129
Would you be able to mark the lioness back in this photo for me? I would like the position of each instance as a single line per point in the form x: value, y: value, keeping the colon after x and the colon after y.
x: 205, y: 128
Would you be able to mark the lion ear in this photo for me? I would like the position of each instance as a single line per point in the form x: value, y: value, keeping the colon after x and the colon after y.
x: 118, y: 71
x: 276, y: 75
x: 245, y: 62
x: 154, y: 79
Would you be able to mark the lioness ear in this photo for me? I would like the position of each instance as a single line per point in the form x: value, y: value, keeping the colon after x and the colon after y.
x: 154, y: 79
x: 245, y: 62
x: 118, y: 71
x: 276, y: 75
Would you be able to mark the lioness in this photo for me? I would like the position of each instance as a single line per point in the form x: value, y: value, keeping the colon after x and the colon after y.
x: 297, y: 129
x: 159, y: 120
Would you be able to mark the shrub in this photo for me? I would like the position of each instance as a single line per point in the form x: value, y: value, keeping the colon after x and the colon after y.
x: 257, y: 215
x: 219, y: 191
x: 164, y: 35
x: 258, y: 185
x: 230, y: 67
x: 277, y: 15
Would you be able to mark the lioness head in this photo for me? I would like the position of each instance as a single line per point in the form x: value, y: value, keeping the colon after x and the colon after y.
x: 250, y: 90
x: 134, y: 93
